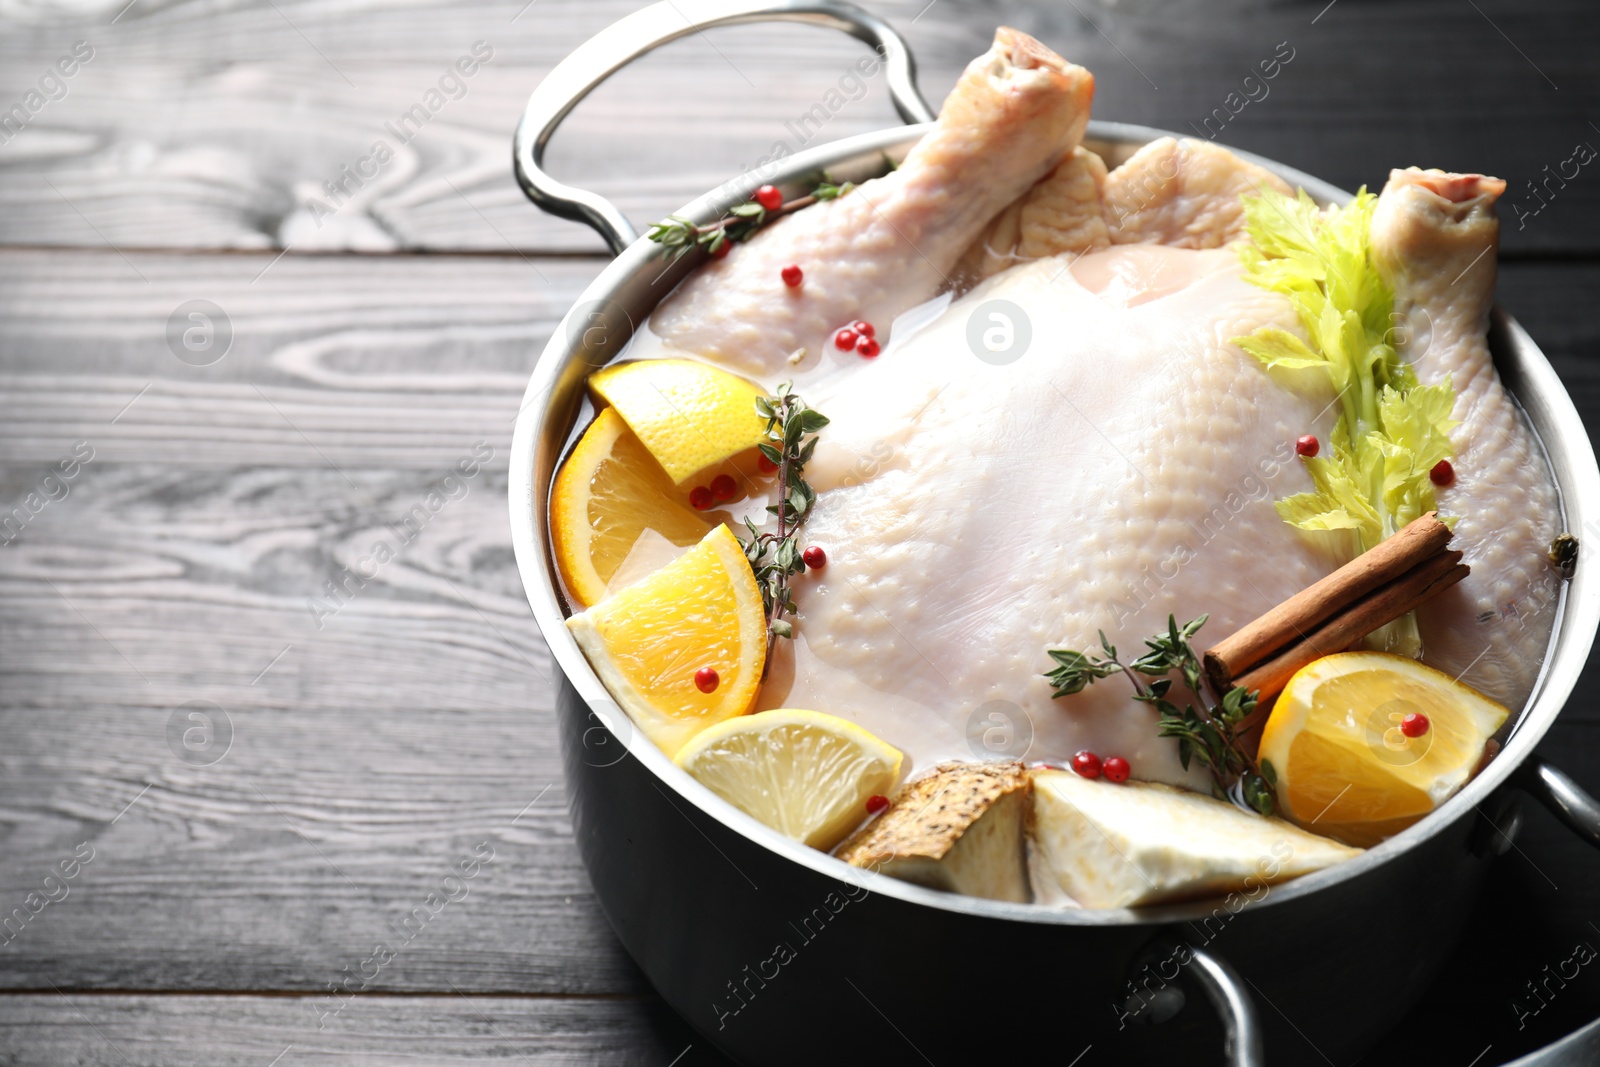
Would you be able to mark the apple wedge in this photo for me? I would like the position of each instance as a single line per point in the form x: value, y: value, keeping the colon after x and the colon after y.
x: 1122, y: 846
x: 961, y: 828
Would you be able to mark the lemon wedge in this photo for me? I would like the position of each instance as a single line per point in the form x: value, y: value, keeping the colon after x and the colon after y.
x: 700, y: 614
x: 805, y: 774
x: 1345, y: 764
x: 608, y: 494
x: 689, y: 415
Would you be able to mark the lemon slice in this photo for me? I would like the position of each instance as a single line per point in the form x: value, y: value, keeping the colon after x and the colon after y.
x: 689, y: 415
x: 805, y: 774
x: 649, y: 640
x: 1346, y: 768
x: 607, y: 495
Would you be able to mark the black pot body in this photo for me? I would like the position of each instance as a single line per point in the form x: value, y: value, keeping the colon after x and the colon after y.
x: 778, y: 964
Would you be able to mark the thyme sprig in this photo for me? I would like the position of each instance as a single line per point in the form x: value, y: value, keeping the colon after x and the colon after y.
x: 677, y: 235
x: 775, y: 557
x: 1210, y: 732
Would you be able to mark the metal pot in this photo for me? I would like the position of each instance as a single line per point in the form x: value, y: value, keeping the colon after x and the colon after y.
x: 779, y: 954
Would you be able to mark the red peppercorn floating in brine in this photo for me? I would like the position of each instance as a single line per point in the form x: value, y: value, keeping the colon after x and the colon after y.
x: 706, y: 680
x: 845, y: 339
x: 1116, y: 769
x: 765, y: 465
x: 1087, y: 764
x: 1414, y: 725
x: 1307, y: 446
x: 864, y: 328
x: 769, y: 197
x: 866, y: 347
x: 793, y: 276
x: 876, y: 803
x: 700, y: 498
x: 723, y: 488
x: 814, y: 557
x: 1442, y: 474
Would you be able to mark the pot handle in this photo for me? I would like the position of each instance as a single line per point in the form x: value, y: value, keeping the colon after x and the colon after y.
x: 1223, y: 986
x: 1566, y: 799
x: 627, y: 39
x: 1226, y: 990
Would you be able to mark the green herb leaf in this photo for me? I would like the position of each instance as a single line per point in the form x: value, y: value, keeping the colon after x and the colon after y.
x: 1257, y: 793
x: 1207, y: 733
x: 776, y: 557
x: 812, y: 420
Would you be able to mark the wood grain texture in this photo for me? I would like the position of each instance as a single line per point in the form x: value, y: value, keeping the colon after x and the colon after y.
x: 145, y: 586
x: 217, y: 128
x: 335, y: 362
x: 317, y: 840
x: 47, y: 1030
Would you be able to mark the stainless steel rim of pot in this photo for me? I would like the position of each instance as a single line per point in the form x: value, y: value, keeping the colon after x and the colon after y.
x: 625, y: 292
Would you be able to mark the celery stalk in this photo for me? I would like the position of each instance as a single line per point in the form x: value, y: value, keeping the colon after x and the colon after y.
x: 1392, y: 430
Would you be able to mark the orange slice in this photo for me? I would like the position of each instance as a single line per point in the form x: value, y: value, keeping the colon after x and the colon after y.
x: 1345, y: 767
x: 690, y: 415
x: 608, y: 495
x: 648, y: 640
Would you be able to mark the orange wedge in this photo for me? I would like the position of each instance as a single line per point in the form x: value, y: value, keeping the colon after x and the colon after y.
x: 690, y: 415
x: 1344, y: 765
x: 607, y: 496
x: 648, y: 641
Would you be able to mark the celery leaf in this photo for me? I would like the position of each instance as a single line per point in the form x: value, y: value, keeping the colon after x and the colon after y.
x: 1392, y: 430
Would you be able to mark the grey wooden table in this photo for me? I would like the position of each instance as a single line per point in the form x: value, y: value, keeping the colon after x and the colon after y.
x: 268, y: 799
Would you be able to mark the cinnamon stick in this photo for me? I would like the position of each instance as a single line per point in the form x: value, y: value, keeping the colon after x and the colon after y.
x: 1296, y: 618
x: 1379, y: 607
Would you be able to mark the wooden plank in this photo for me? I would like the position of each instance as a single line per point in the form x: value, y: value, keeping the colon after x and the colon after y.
x: 178, y: 132
x: 1549, y: 301
x: 439, y: 834
x: 148, y: 586
x: 373, y: 363
x: 219, y: 131
x: 241, y: 1031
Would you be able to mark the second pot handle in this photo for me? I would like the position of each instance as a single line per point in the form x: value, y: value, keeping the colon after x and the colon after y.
x: 627, y: 39
x: 1227, y: 992
x: 1223, y: 986
x: 1565, y: 798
